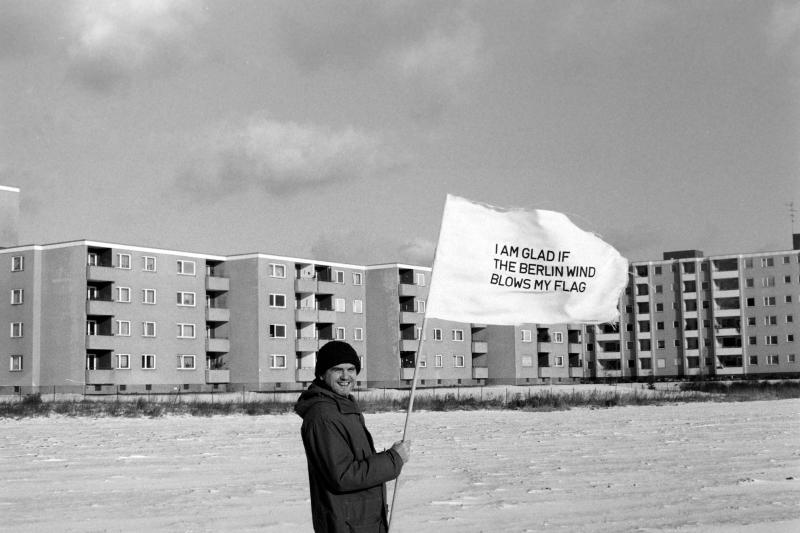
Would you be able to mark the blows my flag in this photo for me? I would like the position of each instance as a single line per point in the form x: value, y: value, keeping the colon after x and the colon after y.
x: 514, y: 266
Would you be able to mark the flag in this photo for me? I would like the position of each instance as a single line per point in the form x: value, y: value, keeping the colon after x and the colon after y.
x: 513, y: 266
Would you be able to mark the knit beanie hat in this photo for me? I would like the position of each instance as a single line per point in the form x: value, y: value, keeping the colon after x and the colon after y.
x: 335, y: 353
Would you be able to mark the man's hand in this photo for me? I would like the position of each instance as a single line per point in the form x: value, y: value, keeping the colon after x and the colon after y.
x: 403, y: 449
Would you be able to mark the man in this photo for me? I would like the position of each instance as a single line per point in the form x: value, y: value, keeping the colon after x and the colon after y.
x: 346, y: 475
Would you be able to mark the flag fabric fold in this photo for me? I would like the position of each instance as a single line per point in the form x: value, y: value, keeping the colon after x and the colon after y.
x: 512, y: 266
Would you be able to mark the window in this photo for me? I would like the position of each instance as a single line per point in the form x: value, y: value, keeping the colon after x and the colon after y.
x: 16, y: 296
x: 750, y: 302
x: 186, y: 268
x: 771, y: 320
x: 16, y: 329
x: 277, y: 270
x: 339, y: 305
x: 773, y: 360
x: 787, y: 299
x: 148, y: 361
x: 657, y: 271
x: 526, y: 335
x: 124, y: 328
x: 558, y: 337
x: 186, y: 331
x: 659, y: 325
x: 419, y: 306
x: 123, y: 361
x: 767, y: 261
x: 17, y: 264
x: 645, y: 363
x: 437, y: 334
x: 92, y: 259
x: 419, y: 279
x: 149, y: 263
x: 749, y: 283
x: 458, y: 334
x: 770, y: 339
x: 769, y: 281
x: 790, y: 337
x: 661, y: 344
x: 559, y: 360
x: 124, y: 261
x: 186, y: 299
x: 358, y: 278
x: 527, y: 361
x: 661, y: 363
x: 752, y: 341
x: 438, y: 360
x: 422, y: 363
x: 148, y: 296
x: 786, y: 260
x: 769, y: 301
x: 124, y: 294
x: 15, y: 363
x: 659, y: 307
x: 753, y: 360
x: 339, y: 333
x: 186, y: 362
x: 338, y: 276
x: 358, y: 306
x: 789, y: 319
x: 148, y: 329
x: 277, y: 300
x: 277, y: 331
x: 787, y: 279
x: 458, y: 361
x: 791, y: 358
x: 277, y: 361
x: 358, y: 334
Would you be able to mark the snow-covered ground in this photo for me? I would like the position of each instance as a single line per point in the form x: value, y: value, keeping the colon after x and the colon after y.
x: 691, y: 468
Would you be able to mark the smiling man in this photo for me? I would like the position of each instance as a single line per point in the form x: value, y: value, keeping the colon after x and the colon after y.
x: 346, y: 475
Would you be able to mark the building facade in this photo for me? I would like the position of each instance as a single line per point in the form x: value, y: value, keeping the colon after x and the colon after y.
x: 107, y: 317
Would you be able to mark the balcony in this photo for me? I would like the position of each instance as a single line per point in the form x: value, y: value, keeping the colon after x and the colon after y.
x: 727, y: 332
x: 407, y: 373
x: 218, y: 314
x: 547, y: 371
x: 100, y: 273
x: 99, y: 377
x: 305, y: 285
x: 722, y: 274
x: 306, y: 314
x: 723, y: 312
x: 409, y: 345
x: 304, y: 374
x: 408, y: 317
x: 576, y: 372
x: 218, y: 376
x: 406, y: 289
x: 326, y: 287
x: 306, y: 344
x: 326, y: 316
x: 607, y: 336
x: 733, y: 350
x: 218, y: 345
x: 100, y: 307
x: 609, y: 373
x: 480, y: 372
x: 603, y: 354
x: 217, y: 284
x: 728, y: 293
x: 480, y: 347
x: 100, y: 342
x: 730, y: 371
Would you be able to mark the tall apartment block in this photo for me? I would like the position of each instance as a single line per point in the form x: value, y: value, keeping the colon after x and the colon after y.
x: 109, y: 317
x: 694, y: 316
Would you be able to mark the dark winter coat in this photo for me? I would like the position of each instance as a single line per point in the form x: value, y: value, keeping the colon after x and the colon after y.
x: 345, y: 473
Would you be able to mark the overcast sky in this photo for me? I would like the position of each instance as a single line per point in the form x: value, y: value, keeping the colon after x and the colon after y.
x: 334, y: 130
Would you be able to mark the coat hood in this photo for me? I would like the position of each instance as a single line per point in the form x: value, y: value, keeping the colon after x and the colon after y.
x: 319, y: 393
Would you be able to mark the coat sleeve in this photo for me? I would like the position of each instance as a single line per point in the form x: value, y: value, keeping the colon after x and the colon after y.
x: 328, y: 447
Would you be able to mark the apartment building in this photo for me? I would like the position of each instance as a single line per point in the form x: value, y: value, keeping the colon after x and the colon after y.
x: 693, y: 316
x: 106, y: 317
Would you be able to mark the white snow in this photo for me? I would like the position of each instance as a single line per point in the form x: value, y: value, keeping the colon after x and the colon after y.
x: 690, y: 468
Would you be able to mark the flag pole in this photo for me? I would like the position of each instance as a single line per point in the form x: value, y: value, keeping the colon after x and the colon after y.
x: 410, y: 407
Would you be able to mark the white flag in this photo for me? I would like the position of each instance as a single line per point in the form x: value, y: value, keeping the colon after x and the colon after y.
x: 515, y: 266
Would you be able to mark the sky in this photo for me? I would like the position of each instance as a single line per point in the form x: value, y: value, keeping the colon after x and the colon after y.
x: 333, y: 130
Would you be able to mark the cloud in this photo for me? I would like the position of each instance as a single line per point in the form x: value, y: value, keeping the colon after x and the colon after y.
x: 118, y: 41
x: 783, y: 31
x: 368, y: 248
x: 27, y: 27
x: 445, y: 59
x: 281, y: 158
x: 433, y: 49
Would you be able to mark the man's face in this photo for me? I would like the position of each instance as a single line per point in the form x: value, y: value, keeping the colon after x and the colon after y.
x: 341, y: 378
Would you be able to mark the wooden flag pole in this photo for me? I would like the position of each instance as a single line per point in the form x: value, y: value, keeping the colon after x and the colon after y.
x: 408, y: 411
